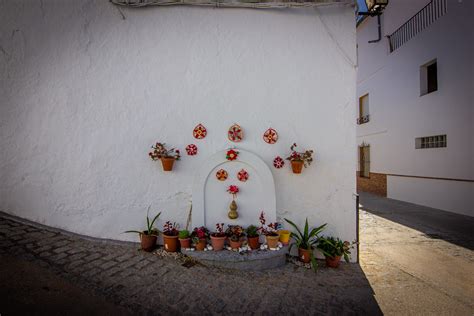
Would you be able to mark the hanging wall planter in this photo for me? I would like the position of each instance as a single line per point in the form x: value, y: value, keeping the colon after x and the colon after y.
x: 167, y: 156
x: 299, y: 159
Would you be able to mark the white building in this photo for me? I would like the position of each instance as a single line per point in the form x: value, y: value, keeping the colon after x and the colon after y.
x: 87, y: 88
x: 416, y: 104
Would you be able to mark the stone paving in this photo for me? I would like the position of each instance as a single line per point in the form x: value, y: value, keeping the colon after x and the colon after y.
x: 145, y: 283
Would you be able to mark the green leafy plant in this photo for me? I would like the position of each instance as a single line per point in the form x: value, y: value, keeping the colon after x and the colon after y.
x: 150, y: 230
x: 252, y: 231
x: 334, y: 247
x: 199, y: 233
x: 306, y: 239
x: 183, y: 234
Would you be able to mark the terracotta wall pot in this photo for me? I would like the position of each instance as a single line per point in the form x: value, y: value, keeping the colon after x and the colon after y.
x: 235, y: 244
x: 304, y: 255
x: 218, y: 242
x: 167, y: 163
x: 333, y: 262
x: 284, y: 236
x: 272, y: 241
x: 170, y: 243
x: 253, y: 242
x: 147, y: 242
x: 185, y: 243
x: 201, y: 245
x: 297, y: 166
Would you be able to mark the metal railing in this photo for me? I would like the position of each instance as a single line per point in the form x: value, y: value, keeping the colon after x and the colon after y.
x: 421, y: 20
x: 363, y: 119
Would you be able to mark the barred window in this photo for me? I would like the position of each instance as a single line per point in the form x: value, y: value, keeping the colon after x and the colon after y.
x: 363, y: 109
x: 437, y: 141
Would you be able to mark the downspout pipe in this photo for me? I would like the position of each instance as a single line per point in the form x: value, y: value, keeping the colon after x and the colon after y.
x: 380, y: 31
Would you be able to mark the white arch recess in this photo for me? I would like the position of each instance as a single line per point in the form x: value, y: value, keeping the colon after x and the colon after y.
x: 261, y: 173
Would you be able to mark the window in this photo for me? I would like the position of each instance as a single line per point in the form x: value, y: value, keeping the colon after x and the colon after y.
x: 363, y: 109
x: 364, y: 161
x: 429, y: 77
x: 437, y: 141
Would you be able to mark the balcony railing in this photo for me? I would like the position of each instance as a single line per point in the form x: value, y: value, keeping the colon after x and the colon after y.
x: 363, y: 119
x: 421, y: 20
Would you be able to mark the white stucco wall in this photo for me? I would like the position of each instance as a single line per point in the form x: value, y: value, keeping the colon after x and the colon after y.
x: 85, y: 93
x: 398, y: 114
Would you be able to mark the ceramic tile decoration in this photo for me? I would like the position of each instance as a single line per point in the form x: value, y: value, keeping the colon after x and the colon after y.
x: 235, y: 133
x: 270, y: 136
x: 278, y: 162
x: 221, y: 175
x: 191, y: 149
x: 199, y: 131
x: 243, y: 175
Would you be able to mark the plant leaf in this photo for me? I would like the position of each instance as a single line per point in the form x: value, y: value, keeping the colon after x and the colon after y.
x: 296, y: 227
x: 317, y: 230
x: 154, y: 219
x: 133, y: 231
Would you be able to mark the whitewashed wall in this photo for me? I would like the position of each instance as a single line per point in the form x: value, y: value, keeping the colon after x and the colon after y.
x: 398, y: 114
x: 85, y: 93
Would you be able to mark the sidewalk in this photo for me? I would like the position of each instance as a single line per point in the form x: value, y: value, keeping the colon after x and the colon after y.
x: 418, y: 260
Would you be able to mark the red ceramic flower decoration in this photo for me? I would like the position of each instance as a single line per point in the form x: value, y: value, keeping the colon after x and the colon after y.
x: 235, y: 133
x: 232, y: 154
x: 221, y: 175
x: 191, y: 149
x: 270, y: 136
x: 243, y: 175
x: 233, y: 189
x: 278, y: 162
x: 199, y: 131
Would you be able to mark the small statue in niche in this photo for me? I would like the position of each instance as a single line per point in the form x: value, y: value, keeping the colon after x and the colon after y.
x: 232, y: 214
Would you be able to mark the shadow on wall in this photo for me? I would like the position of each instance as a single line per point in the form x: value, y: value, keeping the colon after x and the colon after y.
x: 436, y: 224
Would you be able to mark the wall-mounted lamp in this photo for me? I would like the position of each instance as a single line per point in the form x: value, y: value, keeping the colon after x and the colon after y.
x: 375, y: 8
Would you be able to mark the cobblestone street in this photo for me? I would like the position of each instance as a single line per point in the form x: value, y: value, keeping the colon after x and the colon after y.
x: 132, y: 281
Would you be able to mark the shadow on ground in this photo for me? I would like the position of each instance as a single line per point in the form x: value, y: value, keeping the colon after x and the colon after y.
x: 435, y: 223
x: 44, y: 271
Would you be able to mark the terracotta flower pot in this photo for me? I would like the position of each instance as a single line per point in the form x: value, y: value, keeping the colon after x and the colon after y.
x: 235, y: 244
x: 284, y: 236
x: 201, y: 244
x: 167, y: 163
x: 185, y: 243
x: 253, y: 242
x: 297, y: 166
x: 148, y: 242
x: 272, y: 241
x: 218, y: 242
x: 333, y: 262
x: 304, y: 255
x: 170, y: 243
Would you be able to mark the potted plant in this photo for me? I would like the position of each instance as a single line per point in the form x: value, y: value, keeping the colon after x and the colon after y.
x: 218, y: 237
x: 148, y: 237
x: 333, y: 249
x: 170, y: 236
x: 270, y: 231
x: 253, y: 237
x: 184, y: 240
x: 235, y: 234
x: 305, y: 241
x: 284, y: 236
x: 299, y: 159
x: 167, y: 156
x: 199, y: 236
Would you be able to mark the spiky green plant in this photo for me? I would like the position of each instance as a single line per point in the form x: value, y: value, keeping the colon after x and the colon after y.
x: 149, y: 226
x: 306, y: 239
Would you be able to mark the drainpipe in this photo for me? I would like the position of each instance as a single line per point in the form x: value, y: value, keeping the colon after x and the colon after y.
x: 380, y: 31
x: 357, y: 225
